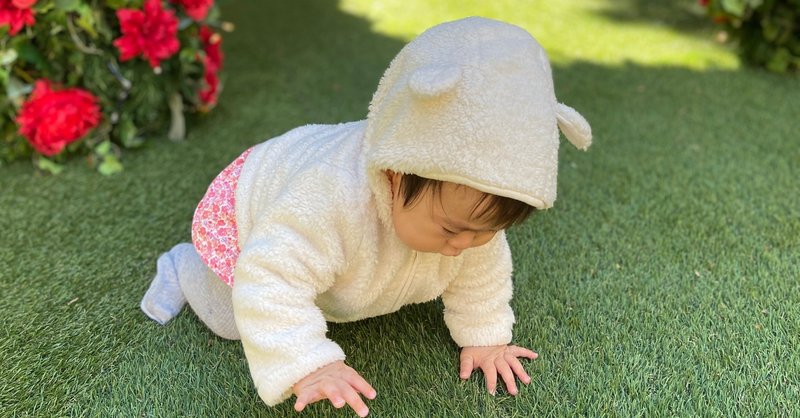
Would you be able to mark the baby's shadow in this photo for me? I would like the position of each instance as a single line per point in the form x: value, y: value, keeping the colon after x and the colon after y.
x: 415, y: 331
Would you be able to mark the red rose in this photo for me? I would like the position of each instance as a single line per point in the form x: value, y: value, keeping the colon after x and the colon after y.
x: 213, y: 63
x: 196, y: 9
x: 23, y: 4
x: 151, y: 33
x: 16, y: 14
x: 209, y: 93
x: 212, y: 43
x: 52, y: 119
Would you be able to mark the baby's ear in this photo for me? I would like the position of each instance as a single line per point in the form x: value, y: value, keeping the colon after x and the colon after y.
x: 434, y: 80
x: 574, y: 126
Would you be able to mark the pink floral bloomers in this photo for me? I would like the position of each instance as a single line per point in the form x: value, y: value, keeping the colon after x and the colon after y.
x: 214, y: 232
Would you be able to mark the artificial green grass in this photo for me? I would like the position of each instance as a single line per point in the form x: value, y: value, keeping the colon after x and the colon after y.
x: 664, y: 281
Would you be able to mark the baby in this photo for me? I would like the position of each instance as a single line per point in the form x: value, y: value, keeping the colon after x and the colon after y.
x: 344, y: 222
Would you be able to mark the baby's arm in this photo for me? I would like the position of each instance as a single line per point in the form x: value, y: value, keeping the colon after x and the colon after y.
x: 480, y: 319
x: 496, y: 360
x: 336, y: 382
x: 280, y: 272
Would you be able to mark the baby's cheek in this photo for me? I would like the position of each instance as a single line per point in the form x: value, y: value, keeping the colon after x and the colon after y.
x: 482, y: 239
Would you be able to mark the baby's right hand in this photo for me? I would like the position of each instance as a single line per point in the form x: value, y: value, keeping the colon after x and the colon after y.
x: 336, y: 382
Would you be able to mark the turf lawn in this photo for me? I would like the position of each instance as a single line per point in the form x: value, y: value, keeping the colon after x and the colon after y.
x: 664, y: 281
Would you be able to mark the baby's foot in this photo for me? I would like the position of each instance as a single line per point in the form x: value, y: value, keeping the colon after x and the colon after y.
x: 164, y: 299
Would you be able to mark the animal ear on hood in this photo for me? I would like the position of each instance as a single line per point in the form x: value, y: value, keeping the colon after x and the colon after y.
x: 574, y: 126
x: 434, y: 80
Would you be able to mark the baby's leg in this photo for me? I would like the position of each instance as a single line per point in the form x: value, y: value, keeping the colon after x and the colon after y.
x: 164, y: 299
x: 182, y: 276
x: 207, y: 294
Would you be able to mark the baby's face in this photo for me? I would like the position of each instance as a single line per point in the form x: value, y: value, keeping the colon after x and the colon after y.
x: 440, y: 224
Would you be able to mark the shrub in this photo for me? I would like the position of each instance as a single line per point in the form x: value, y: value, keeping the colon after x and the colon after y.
x: 768, y: 31
x: 93, y: 77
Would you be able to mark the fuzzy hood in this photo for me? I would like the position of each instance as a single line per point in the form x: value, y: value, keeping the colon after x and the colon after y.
x: 472, y: 102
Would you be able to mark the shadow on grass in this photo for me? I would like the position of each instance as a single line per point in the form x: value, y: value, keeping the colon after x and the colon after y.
x: 685, y: 15
x: 691, y: 173
x: 306, y: 55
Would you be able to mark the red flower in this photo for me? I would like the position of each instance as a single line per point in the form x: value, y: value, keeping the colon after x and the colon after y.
x: 208, y: 95
x: 212, y: 43
x: 16, y: 14
x: 151, y: 33
x: 703, y: 2
x: 196, y: 9
x: 213, y: 63
x: 23, y: 4
x: 52, y: 119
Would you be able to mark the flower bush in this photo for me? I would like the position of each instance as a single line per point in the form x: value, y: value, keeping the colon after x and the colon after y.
x: 768, y: 31
x: 93, y: 77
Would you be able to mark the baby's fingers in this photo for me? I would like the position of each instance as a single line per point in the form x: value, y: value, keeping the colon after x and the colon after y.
x: 347, y: 394
x: 508, y: 376
x: 467, y: 366
x: 361, y: 385
x: 516, y: 366
x: 307, y: 397
x: 490, y: 373
x: 517, y: 351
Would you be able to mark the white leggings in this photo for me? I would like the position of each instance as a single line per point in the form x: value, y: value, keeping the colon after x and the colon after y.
x: 208, y: 296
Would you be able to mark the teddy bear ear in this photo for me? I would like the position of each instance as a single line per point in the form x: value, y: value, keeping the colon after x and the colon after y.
x: 574, y: 126
x: 434, y: 80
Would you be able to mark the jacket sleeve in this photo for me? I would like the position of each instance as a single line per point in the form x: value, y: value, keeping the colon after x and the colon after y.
x: 476, y: 303
x: 286, y: 262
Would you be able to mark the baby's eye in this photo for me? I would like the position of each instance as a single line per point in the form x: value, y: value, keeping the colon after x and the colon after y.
x: 448, y: 232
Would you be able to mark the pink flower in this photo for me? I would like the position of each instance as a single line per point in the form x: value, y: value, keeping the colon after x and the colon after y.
x: 151, y: 32
x: 16, y: 14
x: 52, y: 119
x: 196, y: 9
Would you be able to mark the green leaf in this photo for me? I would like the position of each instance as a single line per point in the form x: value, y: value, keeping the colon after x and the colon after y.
x: 734, y: 7
x: 188, y: 55
x: 29, y: 53
x: 119, y: 4
x: 43, y: 7
x: 102, y: 18
x: 16, y: 88
x: 779, y: 61
x: 128, y: 134
x: 49, y: 166
x: 68, y: 5
x: 8, y: 56
x: 86, y: 21
x: 770, y: 31
x: 103, y: 149
x: 184, y: 23
x: 110, y: 165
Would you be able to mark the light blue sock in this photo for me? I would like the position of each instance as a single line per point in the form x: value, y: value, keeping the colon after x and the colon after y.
x: 164, y: 299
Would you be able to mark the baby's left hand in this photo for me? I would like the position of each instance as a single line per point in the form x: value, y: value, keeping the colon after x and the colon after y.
x: 494, y: 360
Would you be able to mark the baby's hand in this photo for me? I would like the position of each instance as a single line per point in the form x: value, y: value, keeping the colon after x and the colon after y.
x: 494, y: 360
x: 336, y: 382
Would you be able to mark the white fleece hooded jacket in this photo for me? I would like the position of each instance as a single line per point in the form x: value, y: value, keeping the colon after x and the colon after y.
x: 471, y: 102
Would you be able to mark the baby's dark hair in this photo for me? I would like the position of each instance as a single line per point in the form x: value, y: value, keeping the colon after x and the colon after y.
x: 503, y: 210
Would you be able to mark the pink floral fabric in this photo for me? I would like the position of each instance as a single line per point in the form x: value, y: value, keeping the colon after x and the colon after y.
x: 214, y: 232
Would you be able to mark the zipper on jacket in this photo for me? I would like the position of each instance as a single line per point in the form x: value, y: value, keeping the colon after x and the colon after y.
x: 407, y: 284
